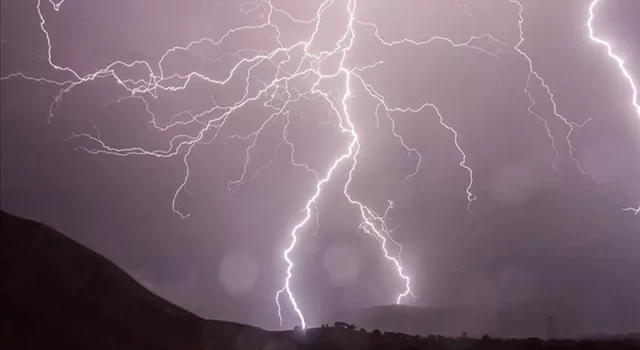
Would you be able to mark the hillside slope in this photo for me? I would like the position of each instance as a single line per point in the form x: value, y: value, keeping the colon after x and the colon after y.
x: 58, y: 294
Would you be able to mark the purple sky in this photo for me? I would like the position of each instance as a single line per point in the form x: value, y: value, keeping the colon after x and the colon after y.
x: 537, y: 235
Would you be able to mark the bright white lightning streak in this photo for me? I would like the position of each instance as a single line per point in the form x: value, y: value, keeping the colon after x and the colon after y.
x: 369, y: 217
x: 635, y: 211
x: 620, y: 63
x: 186, y: 143
x: 372, y: 223
x: 278, y: 91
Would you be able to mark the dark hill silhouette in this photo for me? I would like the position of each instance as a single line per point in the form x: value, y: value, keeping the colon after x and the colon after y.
x: 58, y: 294
x: 448, y: 321
x: 516, y: 321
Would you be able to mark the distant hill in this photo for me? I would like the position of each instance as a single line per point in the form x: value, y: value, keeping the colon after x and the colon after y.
x: 57, y: 294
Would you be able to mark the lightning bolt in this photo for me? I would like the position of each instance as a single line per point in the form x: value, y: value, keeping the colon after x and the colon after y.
x: 534, y: 74
x: 298, y: 74
x: 621, y: 66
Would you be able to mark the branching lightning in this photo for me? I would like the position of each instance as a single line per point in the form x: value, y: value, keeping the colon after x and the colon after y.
x: 620, y: 63
x: 278, y: 93
x: 534, y: 73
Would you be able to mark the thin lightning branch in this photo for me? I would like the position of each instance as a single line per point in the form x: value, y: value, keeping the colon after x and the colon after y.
x: 381, y: 101
x: 368, y: 216
x: 292, y: 64
x: 621, y: 66
x: 275, y: 95
x: 470, y: 196
x: 533, y: 73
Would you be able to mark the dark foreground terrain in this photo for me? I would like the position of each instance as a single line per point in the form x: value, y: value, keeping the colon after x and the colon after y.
x: 58, y: 294
x: 515, y: 321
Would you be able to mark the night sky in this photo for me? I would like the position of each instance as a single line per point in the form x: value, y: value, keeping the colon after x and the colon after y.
x: 538, y: 234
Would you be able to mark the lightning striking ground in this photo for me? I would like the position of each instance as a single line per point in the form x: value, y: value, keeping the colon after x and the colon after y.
x: 293, y: 64
x: 621, y: 66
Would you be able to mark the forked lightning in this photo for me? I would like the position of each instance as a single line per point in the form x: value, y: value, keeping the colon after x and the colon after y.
x: 293, y: 64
